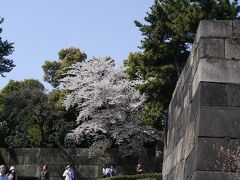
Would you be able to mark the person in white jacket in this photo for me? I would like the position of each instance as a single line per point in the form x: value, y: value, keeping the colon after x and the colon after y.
x: 12, y: 173
x: 68, y: 173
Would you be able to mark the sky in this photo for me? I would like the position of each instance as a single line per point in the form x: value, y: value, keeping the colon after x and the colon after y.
x: 40, y: 29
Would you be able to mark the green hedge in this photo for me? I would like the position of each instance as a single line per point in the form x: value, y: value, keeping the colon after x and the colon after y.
x: 146, y: 176
x: 27, y: 178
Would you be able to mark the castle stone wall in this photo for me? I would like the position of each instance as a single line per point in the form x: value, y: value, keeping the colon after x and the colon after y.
x: 203, y: 130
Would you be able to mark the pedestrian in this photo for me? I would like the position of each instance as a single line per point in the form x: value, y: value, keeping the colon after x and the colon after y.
x: 3, y: 175
x: 107, y: 172
x: 139, y: 169
x: 12, y: 173
x: 103, y: 171
x: 68, y: 173
x: 112, y: 171
x: 44, y: 175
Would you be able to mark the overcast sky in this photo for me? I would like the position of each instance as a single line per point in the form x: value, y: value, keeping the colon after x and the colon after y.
x: 41, y: 28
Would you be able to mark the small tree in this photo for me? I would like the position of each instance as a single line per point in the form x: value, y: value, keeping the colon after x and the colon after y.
x: 108, y: 106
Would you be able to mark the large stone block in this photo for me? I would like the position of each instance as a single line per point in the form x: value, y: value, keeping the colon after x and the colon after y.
x: 51, y: 151
x: 182, y: 129
x: 189, y: 140
x: 24, y: 151
x: 177, y: 135
x: 233, y: 94
x: 186, y: 72
x: 236, y: 29
x: 52, y: 160
x: 4, y: 153
x: 206, y: 175
x: 88, y: 171
x: 179, y: 149
x: 195, y: 60
x: 172, y: 174
x: 196, y: 81
x: 211, y: 48
x: 194, y: 105
x: 217, y: 70
x: 185, y: 119
x: 184, y: 99
x: 232, y: 48
x: 219, y: 122
x: 81, y: 151
x: 166, y: 165
x: 173, y: 158
x: 57, y: 170
x: 213, y: 94
x: 180, y: 170
x: 170, y: 140
x: 214, y: 70
x: 190, y: 165
x: 218, y: 154
x: 219, y: 29
x: 29, y: 159
x: 28, y: 170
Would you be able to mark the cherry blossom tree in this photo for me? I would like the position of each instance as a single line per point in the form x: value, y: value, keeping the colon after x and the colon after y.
x: 108, y: 106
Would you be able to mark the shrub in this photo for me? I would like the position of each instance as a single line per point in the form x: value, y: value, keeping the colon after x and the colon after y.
x: 27, y: 178
x: 146, y: 176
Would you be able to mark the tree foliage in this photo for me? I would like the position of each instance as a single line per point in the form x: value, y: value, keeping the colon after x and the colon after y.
x: 55, y: 70
x: 64, y: 120
x: 168, y: 33
x: 6, y: 49
x: 21, y: 104
x: 108, y: 106
x: 29, y: 117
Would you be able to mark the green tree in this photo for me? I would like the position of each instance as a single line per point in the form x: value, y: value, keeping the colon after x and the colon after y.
x: 23, y: 107
x: 168, y: 33
x: 6, y: 49
x: 64, y: 120
x: 29, y: 117
x: 55, y: 70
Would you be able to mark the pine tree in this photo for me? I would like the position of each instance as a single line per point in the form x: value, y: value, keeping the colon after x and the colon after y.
x: 168, y: 33
x: 55, y: 70
x: 6, y: 48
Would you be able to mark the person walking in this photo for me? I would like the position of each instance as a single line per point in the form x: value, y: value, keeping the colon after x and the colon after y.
x: 44, y: 175
x: 68, y: 173
x: 12, y: 173
x: 107, y: 172
x: 139, y: 169
x: 112, y: 171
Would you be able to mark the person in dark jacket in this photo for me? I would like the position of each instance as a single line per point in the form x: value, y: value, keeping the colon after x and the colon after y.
x: 44, y: 175
x: 3, y: 175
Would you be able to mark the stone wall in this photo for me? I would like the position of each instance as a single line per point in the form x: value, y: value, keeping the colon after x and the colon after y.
x: 28, y: 162
x: 203, y: 131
